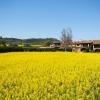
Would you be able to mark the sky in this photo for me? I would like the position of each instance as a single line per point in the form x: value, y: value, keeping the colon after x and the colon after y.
x: 47, y: 18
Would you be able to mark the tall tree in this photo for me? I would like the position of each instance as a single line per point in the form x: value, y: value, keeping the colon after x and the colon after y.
x: 66, y: 38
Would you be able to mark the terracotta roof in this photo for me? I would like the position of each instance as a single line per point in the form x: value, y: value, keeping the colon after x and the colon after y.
x: 81, y: 42
x: 87, y: 41
x: 76, y: 42
x: 96, y: 41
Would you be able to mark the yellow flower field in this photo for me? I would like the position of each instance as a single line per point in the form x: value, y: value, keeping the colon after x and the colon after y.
x: 49, y: 76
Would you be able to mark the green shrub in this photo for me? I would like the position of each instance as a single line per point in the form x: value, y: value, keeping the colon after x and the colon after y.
x: 10, y: 49
x: 16, y: 48
x: 69, y: 49
x: 27, y: 45
x: 13, y: 45
x: 85, y: 49
x: 97, y: 50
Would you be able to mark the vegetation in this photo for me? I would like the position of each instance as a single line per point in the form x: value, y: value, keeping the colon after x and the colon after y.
x: 33, y: 41
x: 66, y: 38
x: 2, y: 42
x: 49, y: 76
x: 30, y: 48
x: 97, y: 50
x: 47, y: 43
x: 86, y: 49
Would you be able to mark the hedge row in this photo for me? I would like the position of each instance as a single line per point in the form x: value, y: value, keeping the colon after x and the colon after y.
x: 97, y: 50
x: 85, y: 49
x: 18, y: 49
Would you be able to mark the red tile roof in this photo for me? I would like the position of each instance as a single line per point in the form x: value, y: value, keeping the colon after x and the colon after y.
x: 96, y: 41
x: 87, y: 41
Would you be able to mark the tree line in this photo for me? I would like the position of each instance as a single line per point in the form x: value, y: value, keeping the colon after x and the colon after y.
x: 65, y: 39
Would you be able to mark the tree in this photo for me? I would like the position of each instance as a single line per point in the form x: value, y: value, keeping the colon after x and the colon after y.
x: 66, y: 38
x: 47, y: 43
x: 2, y: 42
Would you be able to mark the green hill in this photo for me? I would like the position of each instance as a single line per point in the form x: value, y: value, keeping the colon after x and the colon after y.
x: 34, y: 41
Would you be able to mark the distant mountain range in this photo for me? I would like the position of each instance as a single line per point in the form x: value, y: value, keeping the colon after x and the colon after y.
x: 34, y: 41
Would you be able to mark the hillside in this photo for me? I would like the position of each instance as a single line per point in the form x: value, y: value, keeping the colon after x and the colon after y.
x: 34, y: 41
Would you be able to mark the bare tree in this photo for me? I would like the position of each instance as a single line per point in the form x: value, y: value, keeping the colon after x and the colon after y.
x: 66, y: 38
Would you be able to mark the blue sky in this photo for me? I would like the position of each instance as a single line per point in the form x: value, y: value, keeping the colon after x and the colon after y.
x: 47, y: 18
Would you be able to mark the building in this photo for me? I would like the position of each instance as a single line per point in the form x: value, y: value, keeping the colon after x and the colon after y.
x: 56, y: 44
x: 92, y: 44
x: 78, y: 45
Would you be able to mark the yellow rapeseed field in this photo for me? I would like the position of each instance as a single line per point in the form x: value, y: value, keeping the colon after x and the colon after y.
x: 49, y: 76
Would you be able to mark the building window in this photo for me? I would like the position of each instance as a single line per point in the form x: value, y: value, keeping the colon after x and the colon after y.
x: 97, y: 46
x: 77, y: 44
x: 85, y: 45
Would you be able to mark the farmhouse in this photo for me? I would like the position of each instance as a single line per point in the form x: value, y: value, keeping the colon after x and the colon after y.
x: 78, y: 45
x: 92, y: 44
x: 96, y: 44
